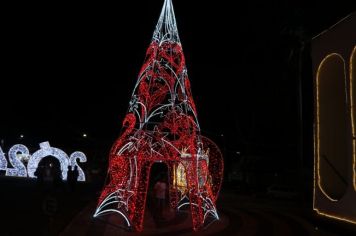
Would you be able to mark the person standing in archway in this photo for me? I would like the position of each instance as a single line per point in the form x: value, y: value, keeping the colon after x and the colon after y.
x: 160, y: 196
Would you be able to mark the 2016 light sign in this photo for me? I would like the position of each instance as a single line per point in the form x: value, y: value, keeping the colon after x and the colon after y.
x: 19, y: 169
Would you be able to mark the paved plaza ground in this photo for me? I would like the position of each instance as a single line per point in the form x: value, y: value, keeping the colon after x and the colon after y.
x: 33, y: 210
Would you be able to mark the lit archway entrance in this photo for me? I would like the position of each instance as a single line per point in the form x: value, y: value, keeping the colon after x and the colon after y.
x: 49, y: 170
x: 155, y: 204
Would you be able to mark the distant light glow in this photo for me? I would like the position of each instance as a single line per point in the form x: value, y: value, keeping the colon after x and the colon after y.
x: 24, y: 158
x: 84, y: 135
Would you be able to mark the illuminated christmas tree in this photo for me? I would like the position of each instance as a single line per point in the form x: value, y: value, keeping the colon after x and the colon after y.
x: 162, y: 126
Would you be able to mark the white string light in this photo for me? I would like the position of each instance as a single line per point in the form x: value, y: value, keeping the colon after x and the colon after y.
x: 19, y: 153
x: 19, y: 168
x: 3, y: 161
x: 73, y: 163
x: 47, y: 150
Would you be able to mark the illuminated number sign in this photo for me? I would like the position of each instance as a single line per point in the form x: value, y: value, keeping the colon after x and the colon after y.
x: 19, y: 153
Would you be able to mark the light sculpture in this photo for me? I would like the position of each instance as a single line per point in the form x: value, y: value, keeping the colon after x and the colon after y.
x: 19, y: 168
x: 47, y: 150
x: 3, y: 162
x: 162, y: 126
x: 18, y: 152
x: 73, y: 163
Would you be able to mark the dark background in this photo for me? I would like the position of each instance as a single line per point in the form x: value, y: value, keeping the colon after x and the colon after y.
x: 69, y: 69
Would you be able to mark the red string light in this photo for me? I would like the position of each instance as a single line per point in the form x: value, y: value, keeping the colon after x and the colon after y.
x: 161, y: 125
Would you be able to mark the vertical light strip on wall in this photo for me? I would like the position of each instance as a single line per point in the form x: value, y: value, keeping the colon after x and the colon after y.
x: 352, y: 76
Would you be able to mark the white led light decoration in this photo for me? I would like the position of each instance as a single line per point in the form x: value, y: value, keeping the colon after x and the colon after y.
x: 3, y: 161
x: 47, y: 150
x: 19, y: 153
x: 73, y: 162
x: 161, y: 125
x: 19, y: 168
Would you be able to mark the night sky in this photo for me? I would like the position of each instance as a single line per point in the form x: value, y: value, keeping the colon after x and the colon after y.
x: 69, y: 68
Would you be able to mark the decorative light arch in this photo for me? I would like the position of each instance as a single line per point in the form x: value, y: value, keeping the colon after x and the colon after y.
x: 162, y: 125
x: 47, y: 150
x: 19, y: 155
